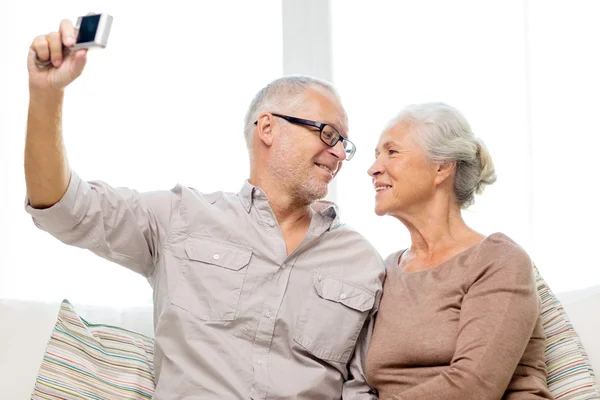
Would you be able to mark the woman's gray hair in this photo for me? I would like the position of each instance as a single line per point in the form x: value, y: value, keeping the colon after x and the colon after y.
x: 445, y: 136
x: 282, y: 94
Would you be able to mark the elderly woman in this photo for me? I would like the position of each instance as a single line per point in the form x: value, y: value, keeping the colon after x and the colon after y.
x: 460, y: 316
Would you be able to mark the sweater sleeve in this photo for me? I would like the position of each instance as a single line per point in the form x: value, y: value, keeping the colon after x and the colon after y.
x: 498, y: 315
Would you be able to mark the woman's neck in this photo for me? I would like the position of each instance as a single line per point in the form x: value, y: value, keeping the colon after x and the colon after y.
x: 437, y: 234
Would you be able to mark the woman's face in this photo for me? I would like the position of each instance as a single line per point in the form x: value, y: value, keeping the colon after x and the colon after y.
x: 403, y: 177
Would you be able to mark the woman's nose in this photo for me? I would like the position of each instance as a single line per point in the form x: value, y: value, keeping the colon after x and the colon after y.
x: 375, y: 169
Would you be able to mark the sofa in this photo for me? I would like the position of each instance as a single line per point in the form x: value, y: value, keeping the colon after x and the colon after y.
x: 27, y: 325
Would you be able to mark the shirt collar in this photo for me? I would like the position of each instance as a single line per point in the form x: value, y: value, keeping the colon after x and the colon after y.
x: 246, y: 195
x: 326, y: 209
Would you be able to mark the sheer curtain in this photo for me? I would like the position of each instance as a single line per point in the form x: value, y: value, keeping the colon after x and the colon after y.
x: 525, y: 74
x: 163, y: 104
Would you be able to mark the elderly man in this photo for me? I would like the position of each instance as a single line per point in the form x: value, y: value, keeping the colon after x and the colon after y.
x: 261, y: 294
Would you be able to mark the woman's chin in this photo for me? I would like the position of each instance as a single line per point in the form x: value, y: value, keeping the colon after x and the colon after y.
x: 380, y: 210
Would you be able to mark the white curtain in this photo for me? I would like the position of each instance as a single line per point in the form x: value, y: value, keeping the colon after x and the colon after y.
x: 525, y: 74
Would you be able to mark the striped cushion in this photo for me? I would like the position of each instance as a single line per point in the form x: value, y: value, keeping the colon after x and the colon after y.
x: 570, y: 375
x: 87, y: 361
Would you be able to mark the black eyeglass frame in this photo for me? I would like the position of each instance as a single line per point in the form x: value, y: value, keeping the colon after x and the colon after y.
x: 320, y: 125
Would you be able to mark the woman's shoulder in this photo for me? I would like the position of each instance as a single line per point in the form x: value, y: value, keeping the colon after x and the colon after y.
x: 502, y: 248
x: 392, y: 259
x: 498, y: 252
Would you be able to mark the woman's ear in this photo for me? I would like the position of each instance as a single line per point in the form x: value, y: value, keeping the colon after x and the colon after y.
x: 444, y: 171
x: 264, y: 128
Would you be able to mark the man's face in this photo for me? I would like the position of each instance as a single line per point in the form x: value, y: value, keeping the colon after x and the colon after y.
x: 299, y: 159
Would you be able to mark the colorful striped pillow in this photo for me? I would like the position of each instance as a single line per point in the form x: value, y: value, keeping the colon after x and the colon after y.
x: 570, y: 375
x: 88, y: 361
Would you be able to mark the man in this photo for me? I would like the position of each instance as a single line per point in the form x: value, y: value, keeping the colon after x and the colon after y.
x: 261, y: 294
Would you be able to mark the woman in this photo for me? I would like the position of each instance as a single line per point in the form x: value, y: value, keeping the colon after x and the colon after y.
x: 460, y: 316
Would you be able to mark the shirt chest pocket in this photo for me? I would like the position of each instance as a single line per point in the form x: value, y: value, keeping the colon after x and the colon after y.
x: 211, y: 278
x: 333, y: 316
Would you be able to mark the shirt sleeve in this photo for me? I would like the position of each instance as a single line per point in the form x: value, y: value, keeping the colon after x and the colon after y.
x: 356, y: 386
x: 118, y: 224
x: 498, y: 315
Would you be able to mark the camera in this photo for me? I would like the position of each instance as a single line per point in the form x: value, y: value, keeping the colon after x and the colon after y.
x: 92, y: 31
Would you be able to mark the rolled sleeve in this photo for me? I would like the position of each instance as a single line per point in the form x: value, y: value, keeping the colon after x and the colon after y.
x: 66, y: 213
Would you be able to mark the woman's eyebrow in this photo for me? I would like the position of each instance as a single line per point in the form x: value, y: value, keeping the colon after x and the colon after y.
x: 386, y: 145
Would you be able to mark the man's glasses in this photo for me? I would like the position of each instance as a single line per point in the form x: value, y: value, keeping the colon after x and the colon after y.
x: 329, y: 135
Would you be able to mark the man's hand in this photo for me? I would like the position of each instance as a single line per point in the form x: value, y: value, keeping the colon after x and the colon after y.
x: 63, y: 69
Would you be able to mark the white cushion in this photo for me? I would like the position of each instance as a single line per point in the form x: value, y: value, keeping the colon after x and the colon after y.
x: 27, y: 327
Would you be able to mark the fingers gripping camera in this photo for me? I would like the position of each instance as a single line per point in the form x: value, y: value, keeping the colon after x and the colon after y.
x: 92, y: 32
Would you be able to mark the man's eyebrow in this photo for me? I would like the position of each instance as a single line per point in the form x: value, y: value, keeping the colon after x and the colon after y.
x: 340, y: 125
x: 339, y: 128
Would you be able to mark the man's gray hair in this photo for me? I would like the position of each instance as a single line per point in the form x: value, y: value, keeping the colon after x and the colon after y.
x: 445, y: 136
x: 282, y: 94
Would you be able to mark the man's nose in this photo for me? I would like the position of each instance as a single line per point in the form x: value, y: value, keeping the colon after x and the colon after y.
x: 339, y: 151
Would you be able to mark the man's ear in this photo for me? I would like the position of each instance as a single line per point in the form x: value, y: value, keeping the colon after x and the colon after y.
x: 265, y: 127
x: 444, y: 171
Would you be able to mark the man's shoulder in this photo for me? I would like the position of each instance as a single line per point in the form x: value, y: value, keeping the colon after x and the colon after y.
x: 351, y: 237
x: 211, y: 197
x: 344, y: 227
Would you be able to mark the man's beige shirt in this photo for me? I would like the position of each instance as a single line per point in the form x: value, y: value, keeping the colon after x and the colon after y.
x: 235, y: 317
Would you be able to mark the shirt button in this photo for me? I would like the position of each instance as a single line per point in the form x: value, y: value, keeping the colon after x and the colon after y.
x: 257, y: 192
x: 260, y: 362
x: 268, y: 314
x: 216, y: 256
x: 343, y: 296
